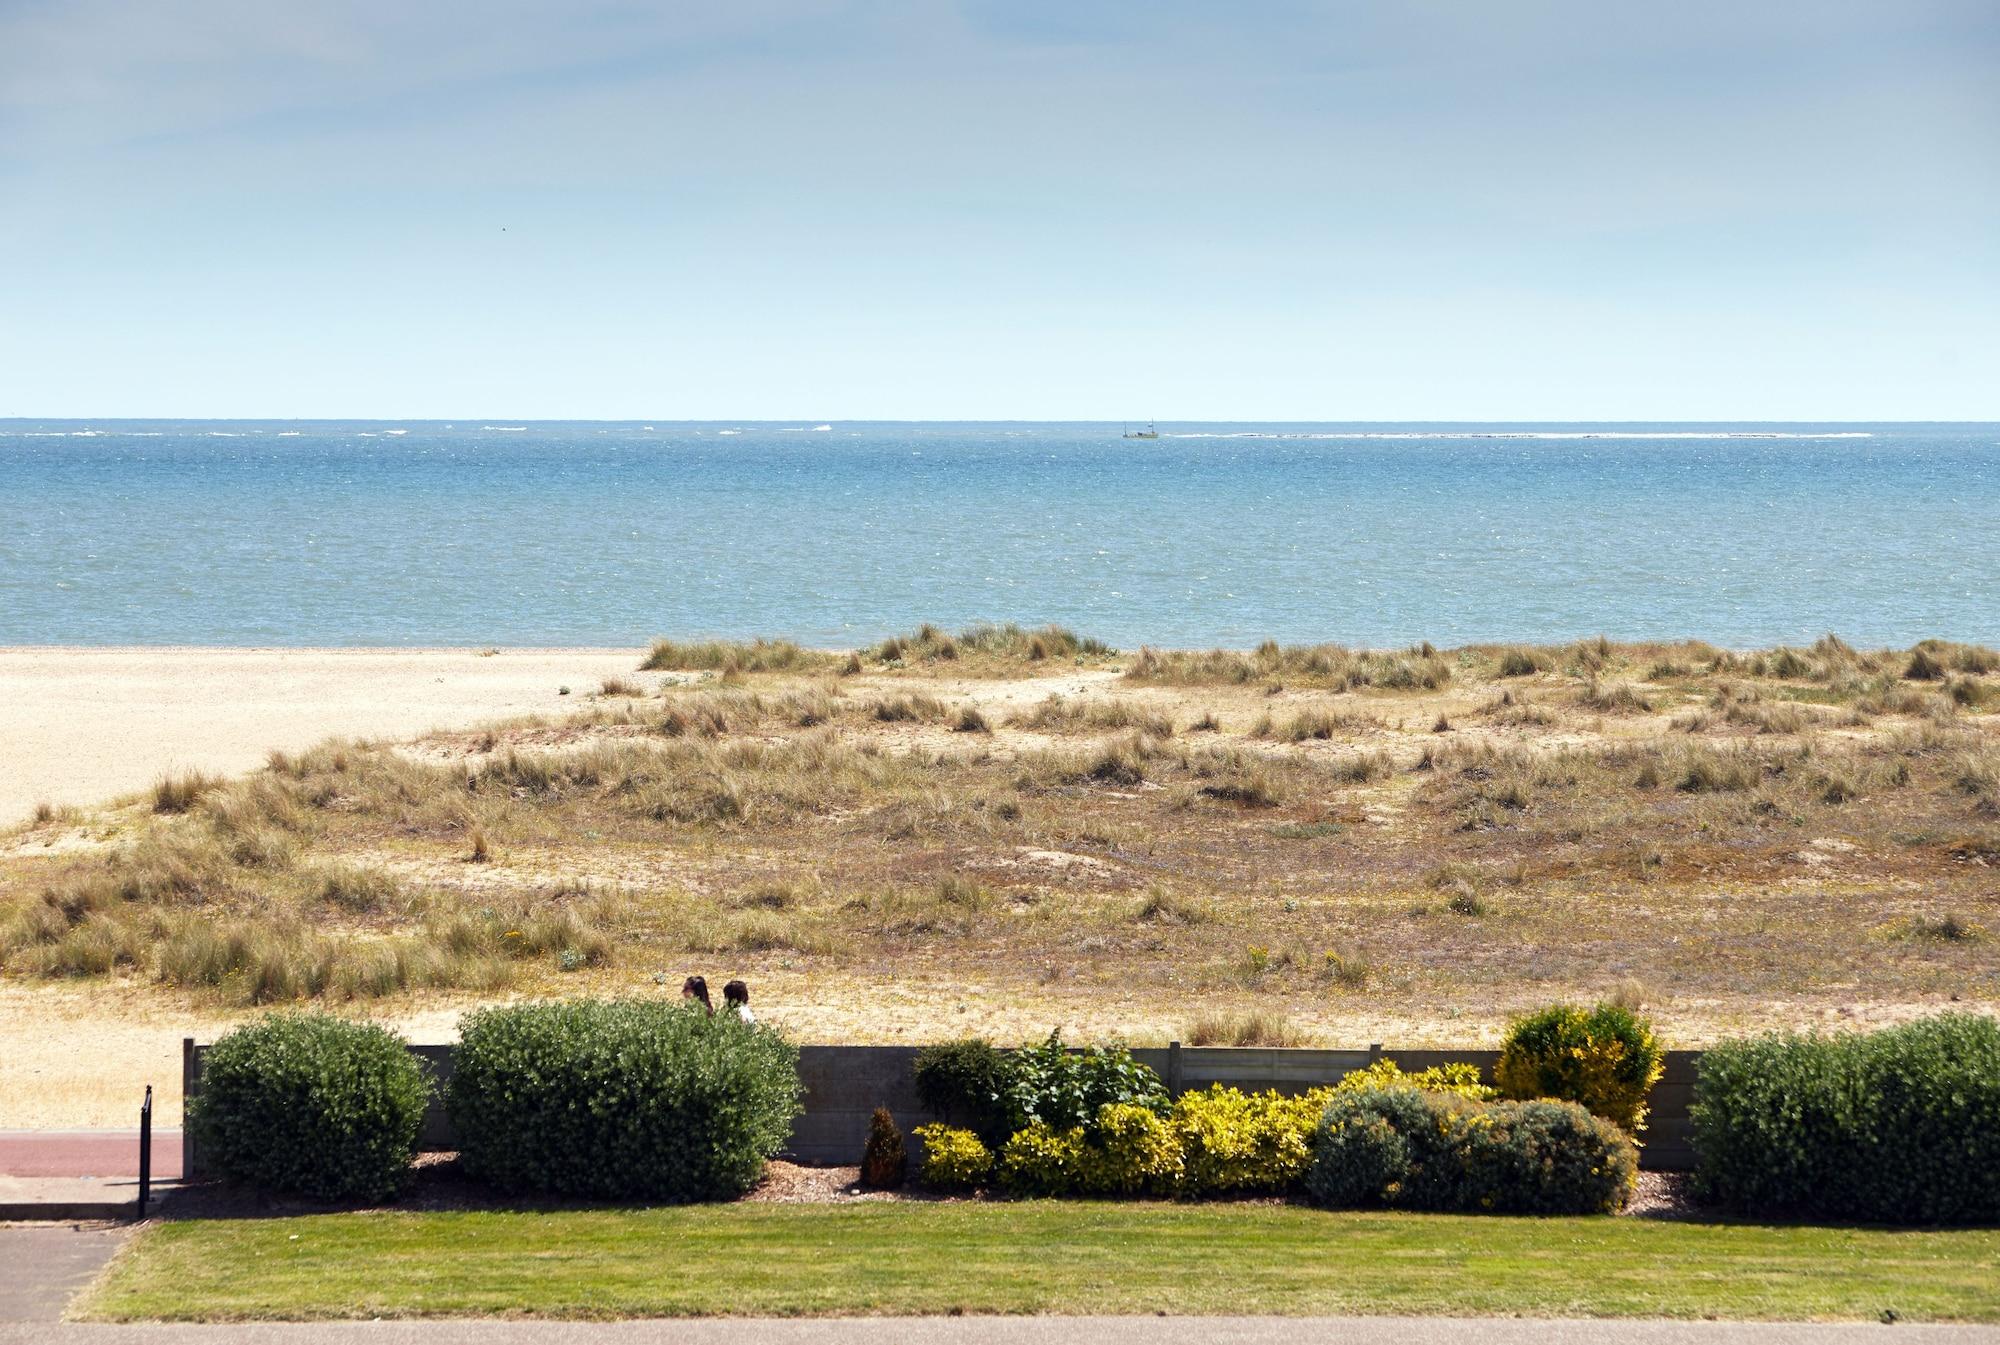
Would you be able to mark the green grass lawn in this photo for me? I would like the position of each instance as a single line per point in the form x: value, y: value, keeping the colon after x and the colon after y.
x: 1035, y: 1257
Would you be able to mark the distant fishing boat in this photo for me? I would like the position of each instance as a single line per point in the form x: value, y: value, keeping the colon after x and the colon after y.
x: 1148, y: 433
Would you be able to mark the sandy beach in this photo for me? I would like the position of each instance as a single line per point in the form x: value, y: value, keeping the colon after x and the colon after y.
x: 78, y: 726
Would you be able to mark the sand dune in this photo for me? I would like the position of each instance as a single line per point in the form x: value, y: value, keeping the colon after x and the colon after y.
x: 80, y: 725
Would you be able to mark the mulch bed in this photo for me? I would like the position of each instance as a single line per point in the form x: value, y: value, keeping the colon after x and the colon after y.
x: 437, y: 1183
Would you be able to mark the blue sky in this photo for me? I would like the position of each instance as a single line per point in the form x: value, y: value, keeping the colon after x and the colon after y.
x: 1786, y: 209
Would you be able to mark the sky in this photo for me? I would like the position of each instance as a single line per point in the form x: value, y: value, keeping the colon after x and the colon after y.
x: 1032, y: 209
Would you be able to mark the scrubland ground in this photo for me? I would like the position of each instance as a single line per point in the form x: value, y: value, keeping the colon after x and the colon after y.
x: 1005, y: 831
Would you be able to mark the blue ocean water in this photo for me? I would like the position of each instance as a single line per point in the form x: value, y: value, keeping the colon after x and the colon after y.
x: 478, y: 533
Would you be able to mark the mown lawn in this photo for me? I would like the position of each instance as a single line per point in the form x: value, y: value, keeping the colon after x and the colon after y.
x: 1035, y: 1257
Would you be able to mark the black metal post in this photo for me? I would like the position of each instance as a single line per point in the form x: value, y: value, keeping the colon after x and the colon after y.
x: 145, y: 1150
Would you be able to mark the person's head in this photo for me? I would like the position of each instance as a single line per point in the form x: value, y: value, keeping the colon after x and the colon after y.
x: 696, y: 987
x: 736, y: 993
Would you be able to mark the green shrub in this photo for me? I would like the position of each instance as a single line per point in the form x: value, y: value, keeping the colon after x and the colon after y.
x: 1437, y: 1151
x: 954, y: 1159
x: 967, y: 1082
x: 1052, y: 1085
x: 1131, y: 1151
x: 1234, y: 1142
x: 1360, y: 1155
x: 310, y: 1104
x: 1901, y: 1125
x: 621, y: 1099
x: 1126, y: 1150
x: 1605, y: 1058
x: 1042, y: 1160
x: 1455, y: 1077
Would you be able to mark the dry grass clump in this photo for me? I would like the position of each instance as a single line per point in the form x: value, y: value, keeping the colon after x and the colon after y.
x: 178, y: 793
x: 1324, y: 665
x: 1254, y: 1027
x: 1614, y: 698
x: 1523, y: 663
x: 1164, y: 906
x: 918, y: 709
x: 754, y: 656
x: 988, y: 644
x: 1315, y: 723
x: 1060, y: 714
x: 619, y: 686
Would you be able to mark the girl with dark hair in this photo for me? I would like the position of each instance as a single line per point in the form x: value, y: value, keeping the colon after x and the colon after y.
x: 736, y: 995
x: 696, y: 988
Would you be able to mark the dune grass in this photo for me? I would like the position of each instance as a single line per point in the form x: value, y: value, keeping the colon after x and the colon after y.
x: 1724, y: 825
x: 1034, y: 1256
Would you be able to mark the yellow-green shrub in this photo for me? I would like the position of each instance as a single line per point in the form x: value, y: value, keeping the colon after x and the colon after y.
x: 1605, y: 1058
x: 1128, y: 1150
x: 1457, y: 1078
x: 1133, y: 1151
x: 1041, y: 1160
x: 954, y: 1159
x: 1232, y: 1141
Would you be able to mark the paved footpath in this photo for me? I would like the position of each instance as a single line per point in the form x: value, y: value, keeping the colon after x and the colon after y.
x: 86, y: 1153
x: 42, y: 1265
x: 1013, y: 1331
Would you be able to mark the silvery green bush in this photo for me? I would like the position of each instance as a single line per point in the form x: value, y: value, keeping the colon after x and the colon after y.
x: 1901, y: 1125
x: 1437, y: 1151
x: 621, y: 1099
x: 311, y: 1104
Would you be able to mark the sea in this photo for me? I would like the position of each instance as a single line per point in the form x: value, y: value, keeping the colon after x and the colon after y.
x: 508, y: 533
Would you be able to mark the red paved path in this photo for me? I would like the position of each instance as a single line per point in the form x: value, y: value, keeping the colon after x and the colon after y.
x: 86, y: 1153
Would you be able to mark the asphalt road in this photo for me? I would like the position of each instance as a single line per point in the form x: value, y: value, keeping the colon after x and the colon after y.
x: 1011, y: 1331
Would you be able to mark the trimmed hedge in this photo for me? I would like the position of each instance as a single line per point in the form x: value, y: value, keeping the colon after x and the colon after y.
x: 621, y: 1099
x: 1605, y: 1058
x: 1437, y: 1151
x: 1897, y: 1126
x: 311, y: 1104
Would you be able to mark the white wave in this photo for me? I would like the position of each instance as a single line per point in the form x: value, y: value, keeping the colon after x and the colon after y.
x: 507, y: 429
x: 395, y: 431
x: 288, y: 434
x: 86, y: 434
x: 729, y: 431
x: 821, y: 429
x: 364, y: 434
x: 1522, y: 434
x: 225, y: 434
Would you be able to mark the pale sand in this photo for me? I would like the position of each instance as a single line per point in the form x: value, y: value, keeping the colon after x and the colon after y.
x: 82, y: 725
